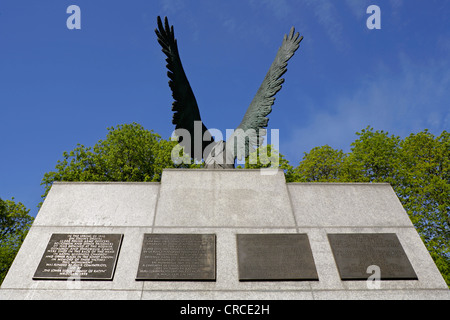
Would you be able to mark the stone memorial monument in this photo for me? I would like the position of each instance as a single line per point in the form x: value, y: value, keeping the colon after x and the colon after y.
x: 193, y: 134
x: 222, y: 234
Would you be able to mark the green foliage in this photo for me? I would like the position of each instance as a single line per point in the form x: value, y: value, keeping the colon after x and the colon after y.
x: 373, y: 157
x: 129, y: 153
x: 417, y: 168
x: 423, y: 186
x: 14, y: 225
x: 320, y: 164
x: 266, y: 157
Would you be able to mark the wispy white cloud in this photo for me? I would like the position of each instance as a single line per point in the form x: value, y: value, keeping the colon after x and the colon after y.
x: 247, y: 28
x: 280, y: 8
x: 172, y: 6
x: 396, y: 4
x: 358, y: 7
x: 412, y: 100
x: 326, y: 14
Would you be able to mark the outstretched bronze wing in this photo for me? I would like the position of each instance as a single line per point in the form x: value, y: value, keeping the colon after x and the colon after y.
x: 251, y: 128
x: 184, y: 106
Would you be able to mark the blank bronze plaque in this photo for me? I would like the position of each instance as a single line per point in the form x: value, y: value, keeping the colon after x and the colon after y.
x: 79, y: 257
x: 180, y: 257
x: 275, y: 257
x: 355, y: 252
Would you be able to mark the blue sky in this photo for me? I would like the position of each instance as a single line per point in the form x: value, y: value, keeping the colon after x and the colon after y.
x: 60, y: 87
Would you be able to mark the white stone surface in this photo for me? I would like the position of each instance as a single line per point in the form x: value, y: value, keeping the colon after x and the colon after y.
x: 225, y: 203
x: 347, y: 204
x: 227, y: 198
x: 99, y: 204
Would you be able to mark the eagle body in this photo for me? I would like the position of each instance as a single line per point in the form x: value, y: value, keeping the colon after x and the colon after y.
x: 186, y: 118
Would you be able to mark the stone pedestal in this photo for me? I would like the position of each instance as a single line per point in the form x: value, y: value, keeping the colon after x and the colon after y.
x: 224, y: 203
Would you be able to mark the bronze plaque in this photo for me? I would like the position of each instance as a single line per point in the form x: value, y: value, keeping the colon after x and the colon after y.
x: 182, y: 257
x: 79, y: 257
x: 275, y: 257
x: 354, y: 253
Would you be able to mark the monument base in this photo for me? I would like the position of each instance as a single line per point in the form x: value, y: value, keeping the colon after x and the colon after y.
x: 228, y: 204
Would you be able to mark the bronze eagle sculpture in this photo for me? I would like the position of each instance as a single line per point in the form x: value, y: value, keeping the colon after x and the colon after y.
x: 250, y: 132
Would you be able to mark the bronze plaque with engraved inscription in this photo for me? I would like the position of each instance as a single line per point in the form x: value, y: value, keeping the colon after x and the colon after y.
x: 356, y: 255
x: 79, y: 257
x: 275, y: 257
x: 178, y: 257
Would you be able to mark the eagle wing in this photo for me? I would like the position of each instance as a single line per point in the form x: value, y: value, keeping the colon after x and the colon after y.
x: 184, y: 106
x: 251, y: 129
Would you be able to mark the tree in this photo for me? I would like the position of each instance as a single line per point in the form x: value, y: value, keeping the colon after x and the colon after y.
x: 267, y: 157
x: 14, y: 225
x: 417, y: 168
x: 132, y: 153
x: 423, y: 186
x: 373, y: 157
x: 320, y: 164
x: 129, y: 153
